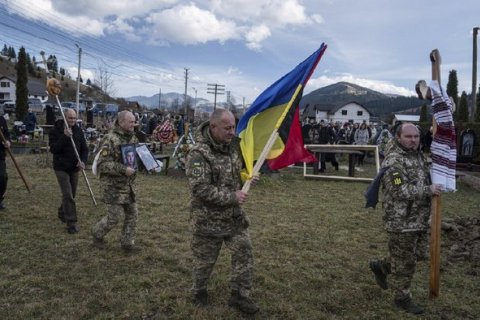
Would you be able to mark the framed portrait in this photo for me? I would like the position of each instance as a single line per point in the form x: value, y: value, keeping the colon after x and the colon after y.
x: 129, y: 156
x: 147, y: 157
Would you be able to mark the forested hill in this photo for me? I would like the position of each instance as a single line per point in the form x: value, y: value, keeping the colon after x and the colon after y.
x: 378, y: 103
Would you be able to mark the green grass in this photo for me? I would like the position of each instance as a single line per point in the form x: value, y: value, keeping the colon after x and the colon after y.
x: 312, y: 241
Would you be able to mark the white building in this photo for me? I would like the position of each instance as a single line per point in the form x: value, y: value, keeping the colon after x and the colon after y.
x: 406, y: 118
x: 352, y: 112
x: 8, y: 87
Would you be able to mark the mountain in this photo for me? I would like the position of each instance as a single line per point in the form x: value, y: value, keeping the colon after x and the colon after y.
x: 378, y: 103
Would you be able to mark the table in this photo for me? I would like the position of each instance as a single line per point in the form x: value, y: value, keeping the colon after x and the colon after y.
x: 351, y: 150
x: 163, y: 157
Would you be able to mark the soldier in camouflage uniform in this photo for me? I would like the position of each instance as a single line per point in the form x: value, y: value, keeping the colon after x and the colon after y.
x: 216, y: 217
x: 407, y: 189
x: 117, y: 184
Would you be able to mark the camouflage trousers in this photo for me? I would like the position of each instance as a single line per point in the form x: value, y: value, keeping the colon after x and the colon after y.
x: 405, y: 249
x: 115, y: 212
x: 205, y: 253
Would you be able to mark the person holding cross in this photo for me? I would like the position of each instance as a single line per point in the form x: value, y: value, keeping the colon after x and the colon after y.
x: 407, y: 189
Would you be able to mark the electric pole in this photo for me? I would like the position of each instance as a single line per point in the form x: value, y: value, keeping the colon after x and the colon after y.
x: 474, y: 76
x: 78, y: 78
x: 228, y: 101
x: 185, y: 98
x: 217, y: 89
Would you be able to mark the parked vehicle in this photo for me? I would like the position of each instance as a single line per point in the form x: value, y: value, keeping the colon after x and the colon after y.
x: 9, y: 107
x: 73, y: 105
x: 36, y: 105
x: 111, y: 109
x: 98, y: 109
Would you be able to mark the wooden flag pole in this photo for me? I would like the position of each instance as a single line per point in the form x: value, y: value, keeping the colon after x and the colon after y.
x: 436, y: 206
x: 2, y: 137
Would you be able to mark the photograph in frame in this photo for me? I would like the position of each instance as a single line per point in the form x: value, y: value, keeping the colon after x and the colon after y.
x: 128, y: 156
x: 147, y: 158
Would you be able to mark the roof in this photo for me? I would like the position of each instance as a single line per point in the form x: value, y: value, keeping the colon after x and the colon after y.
x: 406, y: 118
x: 34, y: 87
x: 330, y: 108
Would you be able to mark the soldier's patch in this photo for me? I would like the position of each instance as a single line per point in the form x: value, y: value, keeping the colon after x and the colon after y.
x: 197, y: 169
x: 105, y: 149
x: 396, y: 178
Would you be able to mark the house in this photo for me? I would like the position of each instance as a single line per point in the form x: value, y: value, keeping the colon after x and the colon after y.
x: 8, y: 87
x: 133, y: 106
x: 352, y: 112
x: 406, y: 118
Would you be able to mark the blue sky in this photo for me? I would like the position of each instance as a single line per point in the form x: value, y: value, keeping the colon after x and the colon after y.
x: 246, y: 45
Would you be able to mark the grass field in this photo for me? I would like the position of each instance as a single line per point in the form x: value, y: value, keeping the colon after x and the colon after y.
x: 312, y: 242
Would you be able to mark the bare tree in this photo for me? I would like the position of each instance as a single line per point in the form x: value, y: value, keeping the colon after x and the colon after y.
x: 103, y: 79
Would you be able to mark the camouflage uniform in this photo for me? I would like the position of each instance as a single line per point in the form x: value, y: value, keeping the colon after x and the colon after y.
x: 117, y: 190
x: 213, y: 171
x: 406, y: 204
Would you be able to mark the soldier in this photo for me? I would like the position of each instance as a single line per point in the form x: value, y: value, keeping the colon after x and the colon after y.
x: 213, y: 170
x: 66, y: 164
x: 407, y: 189
x: 117, y: 184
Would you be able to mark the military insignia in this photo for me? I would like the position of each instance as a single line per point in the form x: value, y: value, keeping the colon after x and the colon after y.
x: 197, y: 168
x: 396, y: 178
x: 105, y: 149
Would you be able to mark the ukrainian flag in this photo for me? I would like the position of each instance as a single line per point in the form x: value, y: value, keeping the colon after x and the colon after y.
x: 276, y: 109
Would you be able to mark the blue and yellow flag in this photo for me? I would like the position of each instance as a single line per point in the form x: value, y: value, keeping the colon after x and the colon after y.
x: 277, y: 109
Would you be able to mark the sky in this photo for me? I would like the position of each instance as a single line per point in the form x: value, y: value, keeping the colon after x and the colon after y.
x: 151, y: 46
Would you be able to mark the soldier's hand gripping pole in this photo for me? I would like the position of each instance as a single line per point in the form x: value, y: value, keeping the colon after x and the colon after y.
x: 13, y: 159
x: 71, y: 137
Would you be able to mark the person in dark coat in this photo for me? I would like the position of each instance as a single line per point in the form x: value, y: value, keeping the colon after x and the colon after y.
x: 50, y: 115
x: 30, y: 122
x: 3, y: 165
x: 66, y: 164
x: 325, y: 135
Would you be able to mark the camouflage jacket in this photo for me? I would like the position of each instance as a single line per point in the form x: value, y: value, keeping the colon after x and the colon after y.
x: 115, y: 186
x: 406, y: 189
x: 213, y: 171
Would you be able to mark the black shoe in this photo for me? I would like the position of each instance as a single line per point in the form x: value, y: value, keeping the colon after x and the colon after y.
x: 2, y: 206
x: 244, y: 304
x: 98, y: 243
x: 72, y: 229
x: 409, y: 306
x: 200, y: 298
x: 380, y: 277
x: 62, y: 219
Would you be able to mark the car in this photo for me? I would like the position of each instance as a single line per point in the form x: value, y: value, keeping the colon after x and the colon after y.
x: 9, y: 107
x: 111, y: 109
x: 98, y: 109
x: 73, y: 105
x: 36, y: 105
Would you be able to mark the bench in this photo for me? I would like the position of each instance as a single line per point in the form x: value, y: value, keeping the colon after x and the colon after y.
x: 164, y: 158
x: 352, y: 158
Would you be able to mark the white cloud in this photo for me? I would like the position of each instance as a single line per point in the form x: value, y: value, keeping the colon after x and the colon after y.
x: 189, y: 24
x: 377, y: 85
x: 256, y: 35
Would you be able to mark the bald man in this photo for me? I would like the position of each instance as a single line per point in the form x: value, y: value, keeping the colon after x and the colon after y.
x: 67, y: 165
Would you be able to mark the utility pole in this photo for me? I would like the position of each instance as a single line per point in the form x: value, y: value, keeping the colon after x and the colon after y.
x: 217, y: 89
x: 78, y: 78
x: 185, y: 98
x: 474, y: 76
x: 228, y: 101
x: 195, y: 106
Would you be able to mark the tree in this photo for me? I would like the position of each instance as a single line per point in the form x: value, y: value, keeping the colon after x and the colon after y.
x: 462, y: 114
x: 104, y: 80
x: 423, y: 113
x: 452, y: 86
x: 5, y: 50
x: 21, y: 102
x: 11, y: 53
x: 89, y: 83
x: 30, y: 67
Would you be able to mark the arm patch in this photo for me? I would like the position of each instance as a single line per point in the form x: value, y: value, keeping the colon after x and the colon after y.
x: 197, y: 168
x: 396, y: 178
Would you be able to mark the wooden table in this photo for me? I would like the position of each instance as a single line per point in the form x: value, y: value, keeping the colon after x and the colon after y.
x: 352, y: 158
x: 163, y: 157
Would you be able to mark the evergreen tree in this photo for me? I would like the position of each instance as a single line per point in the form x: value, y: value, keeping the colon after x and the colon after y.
x: 423, y: 113
x: 452, y: 86
x: 21, y: 103
x: 5, y: 50
x: 30, y: 67
x: 462, y: 111
x: 89, y: 83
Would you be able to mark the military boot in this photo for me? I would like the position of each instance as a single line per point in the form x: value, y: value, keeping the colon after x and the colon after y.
x: 200, y: 298
x: 409, y: 306
x: 242, y: 303
x: 98, y: 243
x: 380, y: 277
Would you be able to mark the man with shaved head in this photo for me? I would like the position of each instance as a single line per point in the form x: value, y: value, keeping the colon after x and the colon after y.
x: 67, y: 165
x: 216, y: 216
x: 407, y: 189
x: 118, y: 185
